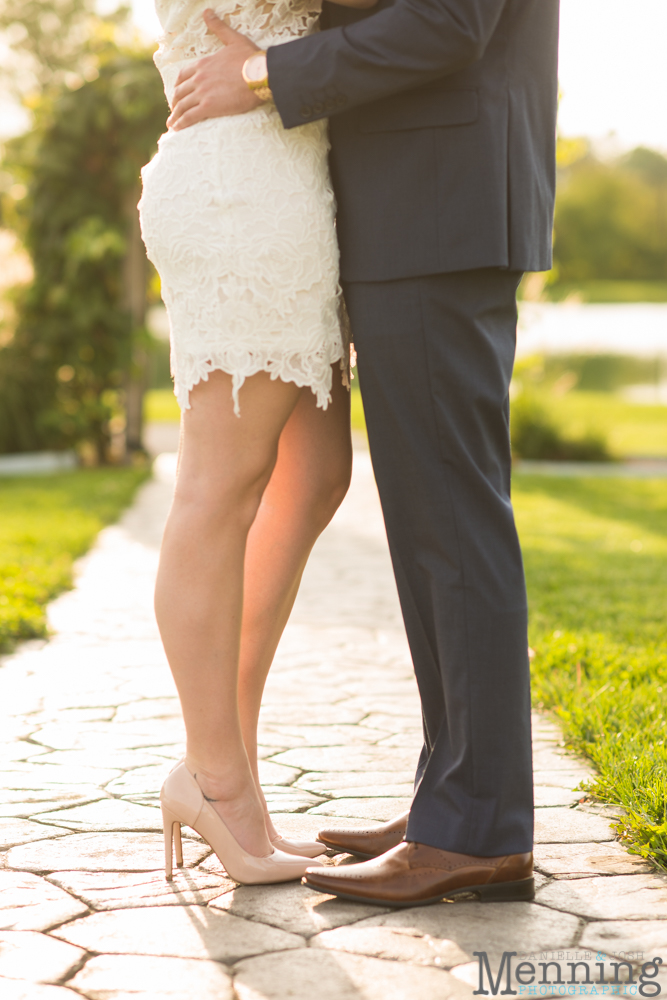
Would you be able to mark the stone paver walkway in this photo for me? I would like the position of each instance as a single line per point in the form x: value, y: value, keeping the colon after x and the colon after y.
x: 91, y: 725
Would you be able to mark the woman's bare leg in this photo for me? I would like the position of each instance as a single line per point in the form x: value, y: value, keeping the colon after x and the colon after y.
x: 308, y: 483
x: 225, y: 465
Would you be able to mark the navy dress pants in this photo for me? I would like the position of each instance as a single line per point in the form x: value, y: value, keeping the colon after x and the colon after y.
x: 435, y: 358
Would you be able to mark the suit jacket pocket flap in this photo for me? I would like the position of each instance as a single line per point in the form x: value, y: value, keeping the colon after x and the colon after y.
x: 423, y: 108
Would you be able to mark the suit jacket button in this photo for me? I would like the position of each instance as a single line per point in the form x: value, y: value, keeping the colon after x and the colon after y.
x: 306, y: 111
x: 341, y: 101
x: 318, y: 108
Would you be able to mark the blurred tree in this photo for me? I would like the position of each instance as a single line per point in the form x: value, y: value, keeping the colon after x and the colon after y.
x: 611, y: 218
x: 77, y: 355
x: 53, y: 42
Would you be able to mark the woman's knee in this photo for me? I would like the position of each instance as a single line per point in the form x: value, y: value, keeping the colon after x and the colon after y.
x: 330, y: 487
x: 230, y: 489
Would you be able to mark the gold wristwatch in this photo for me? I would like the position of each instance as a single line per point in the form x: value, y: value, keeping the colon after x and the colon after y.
x: 256, y: 75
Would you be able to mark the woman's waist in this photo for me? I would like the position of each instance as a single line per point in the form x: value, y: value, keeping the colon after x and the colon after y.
x: 171, y: 60
x: 257, y: 133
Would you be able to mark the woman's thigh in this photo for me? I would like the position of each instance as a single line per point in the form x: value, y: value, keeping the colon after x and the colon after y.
x: 220, y: 449
x: 315, y: 450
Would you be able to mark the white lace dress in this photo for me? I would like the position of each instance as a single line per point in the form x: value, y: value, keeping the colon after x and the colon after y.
x: 237, y: 215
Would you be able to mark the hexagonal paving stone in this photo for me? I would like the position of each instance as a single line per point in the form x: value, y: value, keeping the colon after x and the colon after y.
x: 329, y: 715
x: 24, y: 831
x: 49, y: 774
x: 21, y: 801
x: 271, y: 773
x: 30, y: 903
x: 375, y: 808
x: 647, y: 938
x: 629, y: 897
x: 313, y: 973
x: 347, y: 759
x: 354, y: 784
x: 98, y: 736
x: 388, y: 724
x: 36, y: 958
x: 30, y: 779
x: 14, y: 989
x: 149, y: 708
x: 559, y: 778
x: 107, y: 814
x: 569, y: 826
x: 399, y: 944
x: 19, y: 751
x: 100, y: 852
x: 147, y: 977
x: 408, y: 740
x: 547, y: 796
x: 176, y: 931
x: 121, y: 890
x: 140, y: 781
x: 549, y: 758
x: 324, y: 736
x: 292, y: 907
x: 584, y: 860
x: 388, y: 791
x: 287, y: 799
x: 118, y: 760
x: 492, y: 927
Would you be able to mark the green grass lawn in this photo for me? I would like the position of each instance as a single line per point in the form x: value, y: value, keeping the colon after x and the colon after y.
x: 630, y: 428
x: 46, y: 522
x: 596, y: 563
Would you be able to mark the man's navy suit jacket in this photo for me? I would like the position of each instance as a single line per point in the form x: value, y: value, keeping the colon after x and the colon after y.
x: 443, y: 129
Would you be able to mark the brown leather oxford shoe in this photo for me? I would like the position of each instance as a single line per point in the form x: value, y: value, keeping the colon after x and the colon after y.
x: 415, y: 875
x: 366, y: 843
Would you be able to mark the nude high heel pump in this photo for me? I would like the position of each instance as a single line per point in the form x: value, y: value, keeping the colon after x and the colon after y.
x: 302, y: 848
x: 182, y: 801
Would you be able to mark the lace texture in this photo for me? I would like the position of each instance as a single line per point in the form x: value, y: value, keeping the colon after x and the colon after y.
x: 185, y: 35
x: 238, y: 217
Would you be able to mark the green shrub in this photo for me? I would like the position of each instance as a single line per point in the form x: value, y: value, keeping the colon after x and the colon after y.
x: 535, y: 434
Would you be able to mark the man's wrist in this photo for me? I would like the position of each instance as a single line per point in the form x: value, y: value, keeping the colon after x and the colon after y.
x: 256, y: 75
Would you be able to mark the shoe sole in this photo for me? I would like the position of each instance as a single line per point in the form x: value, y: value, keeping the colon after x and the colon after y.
x: 499, y: 892
x: 344, y: 850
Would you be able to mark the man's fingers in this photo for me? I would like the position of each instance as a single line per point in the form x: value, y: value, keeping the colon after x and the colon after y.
x: 182, y: 90
x: 226, y: 34
x: 186, y: 73
x: 190, y: 117
x: 180, y: 109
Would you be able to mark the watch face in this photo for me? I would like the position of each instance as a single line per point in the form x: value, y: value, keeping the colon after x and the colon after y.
x: 256, y: 68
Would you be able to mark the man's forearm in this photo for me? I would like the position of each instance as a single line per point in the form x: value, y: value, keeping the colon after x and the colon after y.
x: 396, y: 49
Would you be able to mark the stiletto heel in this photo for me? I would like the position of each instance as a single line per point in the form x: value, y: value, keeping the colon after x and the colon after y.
x: 178, y: 844
x: 183, y: 801
x: 170, y: 826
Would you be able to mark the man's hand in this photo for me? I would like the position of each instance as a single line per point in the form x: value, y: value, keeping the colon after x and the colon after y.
x: 213, y: 87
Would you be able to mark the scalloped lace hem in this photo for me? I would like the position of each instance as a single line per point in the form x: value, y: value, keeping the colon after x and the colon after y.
x: 313, y: 370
